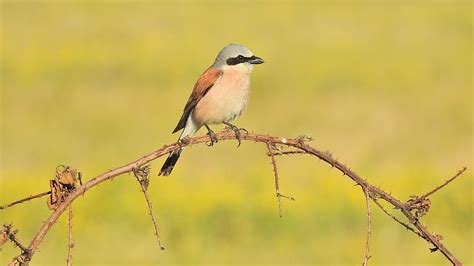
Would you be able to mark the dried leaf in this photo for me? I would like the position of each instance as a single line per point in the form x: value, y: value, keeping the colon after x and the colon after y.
x: 143, y: 174
x: 55, y: 196
x: 421, y: 206
x: 64, y: 183
x: 3, y: 238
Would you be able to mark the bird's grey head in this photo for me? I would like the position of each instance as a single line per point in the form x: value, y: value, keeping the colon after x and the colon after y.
x: 236, y: 55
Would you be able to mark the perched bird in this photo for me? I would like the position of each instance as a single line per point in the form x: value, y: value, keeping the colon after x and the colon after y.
x: 219, y: 96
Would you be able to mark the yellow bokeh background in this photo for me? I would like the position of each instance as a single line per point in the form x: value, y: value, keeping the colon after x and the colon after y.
x: 386, y: 86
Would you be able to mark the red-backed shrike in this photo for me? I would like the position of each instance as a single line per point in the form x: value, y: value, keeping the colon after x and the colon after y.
x: 219, y: 96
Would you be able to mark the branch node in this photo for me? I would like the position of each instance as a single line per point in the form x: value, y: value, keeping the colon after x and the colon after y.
x: 301, y: 139
x: 278, y: 194
x: 143, y: 176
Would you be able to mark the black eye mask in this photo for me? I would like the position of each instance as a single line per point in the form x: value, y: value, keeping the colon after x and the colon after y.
x: 239, y: 59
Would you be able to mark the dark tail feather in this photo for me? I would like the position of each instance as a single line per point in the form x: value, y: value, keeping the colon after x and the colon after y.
x: 170, y: 163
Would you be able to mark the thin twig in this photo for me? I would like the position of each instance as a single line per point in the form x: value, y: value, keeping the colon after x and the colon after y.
x: 369, y: 223
x: 408, y: 227
x: 25, y: 199
x: 16, y: 242
x: 142, y: 174
x: 420, y: 198
x: 69, y: 239
x: 446, y: 183
x: 11, y: 235
x: 275, y: 173
x: 286, y: 152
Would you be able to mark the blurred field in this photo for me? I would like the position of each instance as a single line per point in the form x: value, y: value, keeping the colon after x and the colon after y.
x: 385, y: 86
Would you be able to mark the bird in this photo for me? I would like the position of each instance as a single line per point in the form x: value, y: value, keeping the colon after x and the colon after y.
x: 219, y: 96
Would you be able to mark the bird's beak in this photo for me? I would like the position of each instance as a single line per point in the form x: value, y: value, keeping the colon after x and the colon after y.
x: 256, y: 60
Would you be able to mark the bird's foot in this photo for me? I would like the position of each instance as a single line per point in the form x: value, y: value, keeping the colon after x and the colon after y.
x: 237, y: 131
x: 212, y: 135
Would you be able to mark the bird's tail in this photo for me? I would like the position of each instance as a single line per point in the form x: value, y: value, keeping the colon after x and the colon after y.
x: 170, y: 163
x: 190, y: 128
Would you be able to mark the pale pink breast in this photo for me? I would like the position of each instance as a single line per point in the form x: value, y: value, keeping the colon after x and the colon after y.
x: 226, y: 100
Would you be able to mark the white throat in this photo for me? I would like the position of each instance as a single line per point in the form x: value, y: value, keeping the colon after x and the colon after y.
x: 245, y: 68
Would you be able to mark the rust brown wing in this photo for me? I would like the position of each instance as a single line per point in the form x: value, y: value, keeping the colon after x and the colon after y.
x: 202, y: 86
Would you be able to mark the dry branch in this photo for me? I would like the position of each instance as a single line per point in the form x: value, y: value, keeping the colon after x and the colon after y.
x: 25, y: 199
x: 70, y: 243
x: 421, y: 204
x: 409, y: 228
x: 271, y: 147
x: 369, y: 224
x: 142, y: 175
x: 272, y: 143
x: 10, y: 234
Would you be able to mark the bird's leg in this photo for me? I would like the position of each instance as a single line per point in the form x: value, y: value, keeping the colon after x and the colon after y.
x: 236, y: 130
x: 212, y: 135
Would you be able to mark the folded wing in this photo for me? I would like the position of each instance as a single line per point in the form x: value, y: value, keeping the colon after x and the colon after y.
x: 202, y: 86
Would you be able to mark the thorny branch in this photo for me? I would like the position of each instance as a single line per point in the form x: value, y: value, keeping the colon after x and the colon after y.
x: 279, y: 152
x: 419, y: 202
x: 8, y: 233
x: 143, y: 177
x: 271, y: 147
x: 416, y: 204
x: 70, y: 243
x: 462, y: 170
x: 369, y: 224
x: 25, y: 199
x: 409, y: 228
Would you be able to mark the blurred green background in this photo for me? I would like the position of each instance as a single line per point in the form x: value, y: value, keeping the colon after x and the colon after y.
x: 386, y: 86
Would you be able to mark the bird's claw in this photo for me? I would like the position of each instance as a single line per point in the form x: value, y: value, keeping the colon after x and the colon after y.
x: 237, y: 131
x: 213, y: 137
